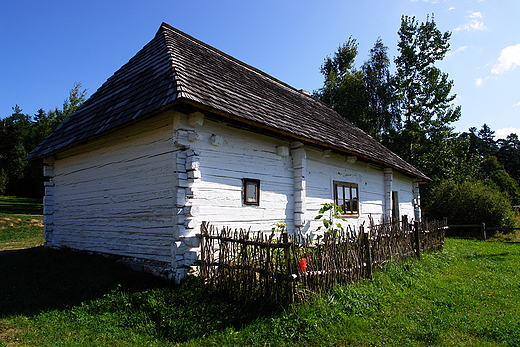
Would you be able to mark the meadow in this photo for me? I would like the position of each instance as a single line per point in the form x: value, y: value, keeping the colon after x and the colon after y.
x: 466, y: 295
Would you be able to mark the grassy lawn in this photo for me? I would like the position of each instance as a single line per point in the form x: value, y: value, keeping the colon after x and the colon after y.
x: 20, y: 223
x: 467, y: 295
x: 15, y: 205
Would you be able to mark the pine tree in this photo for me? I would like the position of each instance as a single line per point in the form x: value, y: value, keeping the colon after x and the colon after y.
x: 426, y: 102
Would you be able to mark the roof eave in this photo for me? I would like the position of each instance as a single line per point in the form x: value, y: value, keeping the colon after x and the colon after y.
x: 421, y: 178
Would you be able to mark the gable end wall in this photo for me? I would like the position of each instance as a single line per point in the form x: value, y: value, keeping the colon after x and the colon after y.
x: 115, y: 195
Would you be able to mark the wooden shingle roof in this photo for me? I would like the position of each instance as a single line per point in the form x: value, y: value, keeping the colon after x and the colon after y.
x: 175, y: 68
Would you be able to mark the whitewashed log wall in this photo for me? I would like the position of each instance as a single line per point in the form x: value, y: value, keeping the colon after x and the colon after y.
x: 115, y: 195
x: 144, y: 190
x: 323, y: 168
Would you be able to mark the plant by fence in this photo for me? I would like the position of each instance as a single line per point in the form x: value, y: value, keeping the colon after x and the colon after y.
x: 278, y: 266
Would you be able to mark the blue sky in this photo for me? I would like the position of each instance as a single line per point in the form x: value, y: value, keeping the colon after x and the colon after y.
x: 49, y: 45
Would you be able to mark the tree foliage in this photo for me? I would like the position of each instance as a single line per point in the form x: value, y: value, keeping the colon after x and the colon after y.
x: 470, y: 202
x: 381, y: 113
x: 365, y: 97
x: 424, y: 93
x: 19, y: 134
x: 343, y: 88
x: 412, y: 112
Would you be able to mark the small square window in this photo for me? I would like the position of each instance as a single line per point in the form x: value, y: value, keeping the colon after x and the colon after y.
x: 346, y: 196
x: 251, y: 191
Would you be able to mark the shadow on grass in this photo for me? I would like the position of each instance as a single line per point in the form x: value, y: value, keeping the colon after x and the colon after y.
x: 16, y: 205
x: 36, y: 280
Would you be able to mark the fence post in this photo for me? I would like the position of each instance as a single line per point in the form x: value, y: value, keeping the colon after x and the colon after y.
x: 406, y: 226
x: 287, y: 253
x: 483, y: 230
x: 204, y: 270
x: 368, y: 253
x: 417, y: 240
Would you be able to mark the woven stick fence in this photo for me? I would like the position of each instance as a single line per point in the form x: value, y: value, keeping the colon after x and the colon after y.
x: 276, y: 266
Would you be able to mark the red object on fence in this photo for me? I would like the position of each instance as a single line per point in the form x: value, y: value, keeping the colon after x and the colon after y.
x: 302, y: 265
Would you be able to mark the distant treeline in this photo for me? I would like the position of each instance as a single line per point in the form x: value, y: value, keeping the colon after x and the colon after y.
x: 19, y: 134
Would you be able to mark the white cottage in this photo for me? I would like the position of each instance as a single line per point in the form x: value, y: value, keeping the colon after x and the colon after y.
x: 184, y: 133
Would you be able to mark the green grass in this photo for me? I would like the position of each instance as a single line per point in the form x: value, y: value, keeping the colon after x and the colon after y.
x: 20, y: 223
x: 16, y: 205
x: 467, y: 295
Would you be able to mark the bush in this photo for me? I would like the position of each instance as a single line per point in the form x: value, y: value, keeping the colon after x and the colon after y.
x: 470, y: 202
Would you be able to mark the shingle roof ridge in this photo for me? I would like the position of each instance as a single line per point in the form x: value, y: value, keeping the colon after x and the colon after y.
x: 166, y: 26
x: 116, y: 101
x: 175, y: 66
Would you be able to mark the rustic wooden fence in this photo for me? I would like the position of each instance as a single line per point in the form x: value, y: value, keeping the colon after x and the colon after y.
x: 481, y: 230
x: 280, y: 267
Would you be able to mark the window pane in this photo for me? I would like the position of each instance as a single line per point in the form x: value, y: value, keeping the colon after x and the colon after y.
x: 353, y: 192
x: 346, y: 196
x: 339, y: 192
x: 355, y: 206
x: 251, y: 192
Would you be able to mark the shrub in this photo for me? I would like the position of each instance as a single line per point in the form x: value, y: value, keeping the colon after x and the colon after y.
x: 470, y: 202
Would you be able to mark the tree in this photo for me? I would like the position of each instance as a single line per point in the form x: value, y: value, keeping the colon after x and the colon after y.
x: 19, y: 133
x: 494, y: 174
x: 343, y: 88
x: 14, y: 135
x: 381, y: 114
x: 479, y: 147
x: 364, y: 97
x: 509, y: 155
x: 425, y: 99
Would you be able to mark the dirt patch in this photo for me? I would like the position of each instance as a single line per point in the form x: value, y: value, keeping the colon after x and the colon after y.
x: 8, y: 335
x: 36, y: 222
x: 14, y: 222
x: 6, y: 222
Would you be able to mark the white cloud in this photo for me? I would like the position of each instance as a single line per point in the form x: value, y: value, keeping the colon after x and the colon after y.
x: 508, y: 60
x: 458, y: 50
x: 474, y: 24
x: 480, y: 81
x: 517, y: 104
x: 475, y: 14
x: 502, y: 133
x: 451, y: 8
